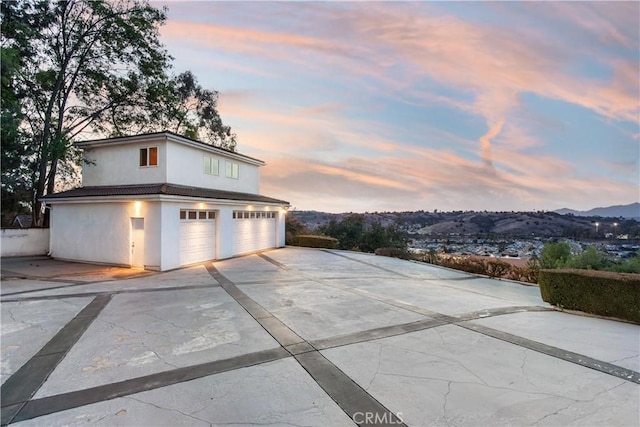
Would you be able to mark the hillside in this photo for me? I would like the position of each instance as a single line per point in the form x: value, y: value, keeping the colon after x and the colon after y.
x: 523, y: 224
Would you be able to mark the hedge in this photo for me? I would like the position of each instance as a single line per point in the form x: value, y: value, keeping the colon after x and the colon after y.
x: 311, y: 241
x: 599, y: 292
x: 393, y: 253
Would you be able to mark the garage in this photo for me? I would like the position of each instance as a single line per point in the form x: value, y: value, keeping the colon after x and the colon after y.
x: 253, y: 231
x: 197, y: 236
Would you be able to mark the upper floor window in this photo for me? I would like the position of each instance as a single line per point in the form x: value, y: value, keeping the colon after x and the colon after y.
x: 149, y: 156
x: 233, y: 170
x: 211, y: 166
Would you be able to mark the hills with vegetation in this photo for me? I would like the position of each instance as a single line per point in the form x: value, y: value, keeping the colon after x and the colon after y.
x: 471, y: 223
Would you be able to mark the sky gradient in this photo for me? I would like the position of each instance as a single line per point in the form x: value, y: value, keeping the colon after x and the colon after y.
x: 393, y: 106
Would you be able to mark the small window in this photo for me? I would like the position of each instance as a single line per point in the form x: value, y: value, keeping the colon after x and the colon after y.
x: 234, y: 214
x: 211, y: 214
x: 246, y: 215
x: 202, y: 215
x: 143, y: 157
x: 211, y: 165
x: 149, y: 156
x: 183, y: 214
x: 233, y: 170
x: 193, y: 214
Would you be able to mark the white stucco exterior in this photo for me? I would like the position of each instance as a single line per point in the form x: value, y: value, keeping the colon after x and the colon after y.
x: 101, y: 223
x: 180, y: 161
x: 24, y: 241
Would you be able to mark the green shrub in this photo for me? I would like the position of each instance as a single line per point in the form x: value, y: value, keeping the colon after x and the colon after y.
x: 393, y: 253
x: 589, y: 259
x: 555, y: 255
x: 598, y: 292
x: 311, y: 241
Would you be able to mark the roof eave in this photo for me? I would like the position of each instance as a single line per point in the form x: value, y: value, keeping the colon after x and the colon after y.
x: 168, y: 136
x: 161, y: 197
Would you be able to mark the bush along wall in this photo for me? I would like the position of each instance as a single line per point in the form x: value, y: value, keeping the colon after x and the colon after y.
x: 311, y: 241
x: 598, y: 292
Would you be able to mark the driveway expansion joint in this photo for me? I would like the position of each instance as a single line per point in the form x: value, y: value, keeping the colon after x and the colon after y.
x: 349, y: 396
x: 26, y: 381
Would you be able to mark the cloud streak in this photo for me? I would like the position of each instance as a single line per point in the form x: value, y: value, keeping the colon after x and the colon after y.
x: 409, y: 101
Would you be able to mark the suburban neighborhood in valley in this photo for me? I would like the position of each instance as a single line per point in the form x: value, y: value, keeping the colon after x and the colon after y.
x: 319, y: 213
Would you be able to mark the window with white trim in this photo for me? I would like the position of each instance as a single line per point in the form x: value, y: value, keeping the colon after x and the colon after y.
x: 211, y: 165
x: 148, y: 156
x: 197, y: 215
x: 253, y: 215
x: 233, y: 170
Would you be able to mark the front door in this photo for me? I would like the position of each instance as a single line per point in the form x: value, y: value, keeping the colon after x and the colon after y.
x: 137, y: 242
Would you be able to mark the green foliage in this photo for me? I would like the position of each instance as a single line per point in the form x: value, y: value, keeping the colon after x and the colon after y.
x: 348, y: 231
x: 353, y: 234
x: 589, y: 259
x: 598, y: 292
x: 293, y: 227
x: 393, y: 253
x: 312, y: 241
x: 558, y: 255
x: 75, y: 67
x: 555, y: 255
x: 629, y: 265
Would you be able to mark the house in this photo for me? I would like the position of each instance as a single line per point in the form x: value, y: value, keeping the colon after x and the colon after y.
x: 161, y: 201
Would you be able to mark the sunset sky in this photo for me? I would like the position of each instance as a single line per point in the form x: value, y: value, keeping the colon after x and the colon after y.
x: 387, y: 106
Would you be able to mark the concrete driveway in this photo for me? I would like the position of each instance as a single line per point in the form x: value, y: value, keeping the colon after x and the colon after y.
x: 303, y: 337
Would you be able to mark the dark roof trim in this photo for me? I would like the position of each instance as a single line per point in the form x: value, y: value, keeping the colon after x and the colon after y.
x: 161, y: 189
x: 168, y: 134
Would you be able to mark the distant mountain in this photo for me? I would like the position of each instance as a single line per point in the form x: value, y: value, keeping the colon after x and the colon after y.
x: 624, y: 211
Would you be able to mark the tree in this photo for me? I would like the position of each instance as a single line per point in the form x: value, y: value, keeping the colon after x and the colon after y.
x: 348, y: 231
x: 16, y: 184
x: 94, y: 66
x: 555, y: 255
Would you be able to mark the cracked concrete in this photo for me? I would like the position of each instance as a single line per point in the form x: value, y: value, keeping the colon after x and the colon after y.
x: 27, y: 326
x: 175, y: 348
x: 480, y: 381
x: 617, y: 343
x: 141, y: 334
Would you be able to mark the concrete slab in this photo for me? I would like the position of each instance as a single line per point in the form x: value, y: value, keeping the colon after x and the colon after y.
x: 45, y: 267
x: 439, y: 295
x: 192, y: 276
x: 608, y: 340
x: 230, y: 398
x: 323, y: 264
x: 28, y: 325
x: 180, y: 348
x: 448, y: 375
x: 315, y: 311
x: 404, y: 267
x: 140, y: 334
x: 16, y: 286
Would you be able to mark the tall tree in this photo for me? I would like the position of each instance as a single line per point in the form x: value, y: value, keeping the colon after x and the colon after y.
x: 179, y: 104
x: 94, y: 66
x: 88, y: 58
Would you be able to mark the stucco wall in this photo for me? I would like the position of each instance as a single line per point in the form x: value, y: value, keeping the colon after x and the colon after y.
x: 120, y: 165
x: 24, y: 242
x: 186, y: 167
x: 177, y: 164
x: 101, y: 232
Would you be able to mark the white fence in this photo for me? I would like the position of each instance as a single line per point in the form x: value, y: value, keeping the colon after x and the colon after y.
x: 24, y: 241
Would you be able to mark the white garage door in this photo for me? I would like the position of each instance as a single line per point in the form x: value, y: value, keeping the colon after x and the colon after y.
x: 253, y: 231
x: 197, y: 236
